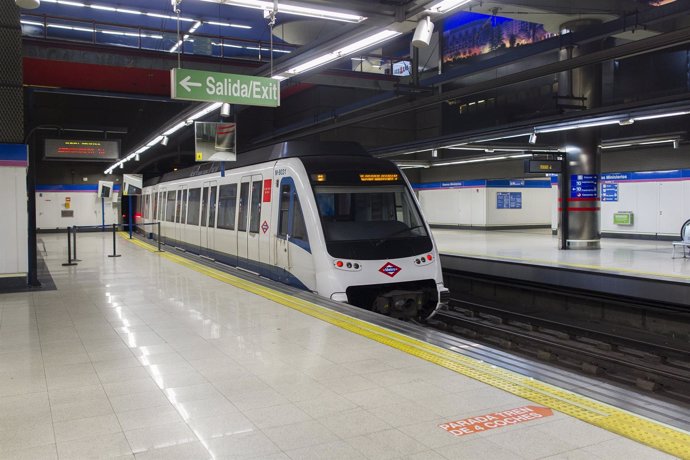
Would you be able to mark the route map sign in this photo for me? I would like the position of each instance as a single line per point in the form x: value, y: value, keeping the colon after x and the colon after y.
x: 199, y: 85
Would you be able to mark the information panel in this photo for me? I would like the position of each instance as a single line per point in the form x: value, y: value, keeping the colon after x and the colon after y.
x: 584, y: 186
x: 609, y: 192
x: 83, y: 150
x: 509, y: 200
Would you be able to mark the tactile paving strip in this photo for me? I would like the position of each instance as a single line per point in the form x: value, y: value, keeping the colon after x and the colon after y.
x: 654, y: 434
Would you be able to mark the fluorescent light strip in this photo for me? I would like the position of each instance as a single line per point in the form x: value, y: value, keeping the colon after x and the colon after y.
x: 225, y: 24
x: 360, y: 45
x: 267, y: 7
x: 156, y: 140
x: 662, y: 115
x: 96, y: 6
x: 591, y: 124
x: 446, y: 5
x: 31, y: 23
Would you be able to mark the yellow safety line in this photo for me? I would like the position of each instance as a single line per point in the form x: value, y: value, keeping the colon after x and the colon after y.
x: 654, y: 434
x: 553, y: 263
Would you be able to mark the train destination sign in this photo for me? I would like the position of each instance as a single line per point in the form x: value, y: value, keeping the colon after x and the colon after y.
x: 198, y: 85
x: 80, y: 149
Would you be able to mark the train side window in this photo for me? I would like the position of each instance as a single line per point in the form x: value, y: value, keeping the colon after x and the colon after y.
x: 284, y: 210
x: 244, y: 197
x: 204, y: 205
x: 227, y: 201
x: 255, y: 217
x: 299, y: 229
x: 193, y: 206
x: 212, y: 207
x: 170, y: 207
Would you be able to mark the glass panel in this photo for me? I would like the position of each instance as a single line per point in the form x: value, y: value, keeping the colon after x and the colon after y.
x: 255, y: 218
x: 244, y: 198
x: 227, y: 201
x: 193, y: 207
x: 364, y: 213
x: 284, y: 210
x: 170, y: 207
x: 212, y: 210
x: 299, y: 229
x: 204, y: 206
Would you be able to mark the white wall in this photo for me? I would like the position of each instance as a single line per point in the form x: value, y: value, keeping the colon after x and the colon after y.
x: 476, y: 206
x: 86, y: 207
x: 461, y: 206
x: 659, y: 208
x: 13, y: 233
x: 536, y: 208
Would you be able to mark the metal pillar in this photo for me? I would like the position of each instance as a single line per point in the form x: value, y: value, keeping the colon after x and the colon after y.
x: 580, y: 89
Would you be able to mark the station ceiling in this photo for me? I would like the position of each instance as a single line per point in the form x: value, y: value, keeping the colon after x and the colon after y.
x: 238, y: 39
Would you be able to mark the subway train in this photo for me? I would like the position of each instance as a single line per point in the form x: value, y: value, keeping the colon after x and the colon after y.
x: 324, y: 217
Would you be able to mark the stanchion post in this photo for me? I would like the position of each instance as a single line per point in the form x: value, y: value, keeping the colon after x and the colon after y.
x: 74, y: 243
x: 114, y: 254
x: 69, y: 250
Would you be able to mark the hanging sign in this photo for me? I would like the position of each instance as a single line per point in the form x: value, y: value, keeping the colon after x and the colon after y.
x: 200, y: 85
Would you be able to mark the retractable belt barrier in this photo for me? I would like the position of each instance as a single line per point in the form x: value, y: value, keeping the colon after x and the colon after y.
x: 72, y: 239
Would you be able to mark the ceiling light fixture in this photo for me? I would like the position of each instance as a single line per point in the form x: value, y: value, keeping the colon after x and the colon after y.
x: 446, y: 6
x: 359, y: 45
x: 320, y: 13
x: 28, y: 4
x: 532, y: 138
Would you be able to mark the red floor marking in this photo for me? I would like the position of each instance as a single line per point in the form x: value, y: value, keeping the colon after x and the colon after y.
x: 496, y: 420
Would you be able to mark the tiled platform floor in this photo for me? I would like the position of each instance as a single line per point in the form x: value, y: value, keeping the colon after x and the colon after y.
x: 141, y: 357
x: 626, y: 257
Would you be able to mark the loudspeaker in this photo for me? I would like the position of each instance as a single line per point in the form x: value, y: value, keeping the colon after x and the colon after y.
x: 28, y: 4
x: 423, y: 32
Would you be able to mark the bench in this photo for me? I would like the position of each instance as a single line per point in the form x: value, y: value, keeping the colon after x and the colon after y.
x: 685, y: 245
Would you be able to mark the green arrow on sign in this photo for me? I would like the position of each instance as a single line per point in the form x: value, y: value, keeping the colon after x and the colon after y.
x: 197, y: 85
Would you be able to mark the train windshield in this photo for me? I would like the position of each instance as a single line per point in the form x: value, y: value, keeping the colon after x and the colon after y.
x: 371, y: 222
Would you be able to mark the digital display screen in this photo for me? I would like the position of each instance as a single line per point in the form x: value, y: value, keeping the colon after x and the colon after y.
x: 78, y: 149
x: 378, y: 177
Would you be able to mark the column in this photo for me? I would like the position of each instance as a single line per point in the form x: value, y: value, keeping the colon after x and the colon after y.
x: 580, y: 89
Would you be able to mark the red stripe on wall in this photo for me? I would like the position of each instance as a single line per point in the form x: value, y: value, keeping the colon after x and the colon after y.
x: 581, y: 209
x: 77, y: 75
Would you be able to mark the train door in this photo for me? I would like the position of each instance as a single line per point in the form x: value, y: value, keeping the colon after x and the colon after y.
x: 291, y: 235
x: 249, y: 221
x: 208, y: 216
x: 181, y: 213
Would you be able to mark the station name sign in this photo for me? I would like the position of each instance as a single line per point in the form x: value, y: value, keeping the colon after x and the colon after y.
x: 198, y: 85
x: 77, y: 149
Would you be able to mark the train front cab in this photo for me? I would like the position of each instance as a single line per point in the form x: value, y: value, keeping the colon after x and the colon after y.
x: 375, y: 250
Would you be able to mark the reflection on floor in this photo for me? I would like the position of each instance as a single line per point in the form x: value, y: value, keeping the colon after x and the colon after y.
x: 643, y: 258
x: 141, y: 357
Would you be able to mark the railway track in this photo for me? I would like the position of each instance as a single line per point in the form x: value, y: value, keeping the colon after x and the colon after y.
x: 625, y: 356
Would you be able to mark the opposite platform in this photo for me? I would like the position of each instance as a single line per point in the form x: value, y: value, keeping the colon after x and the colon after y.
x: 157, y: 357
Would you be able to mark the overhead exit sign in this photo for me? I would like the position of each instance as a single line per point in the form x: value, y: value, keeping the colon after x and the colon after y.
x: 198, y: 85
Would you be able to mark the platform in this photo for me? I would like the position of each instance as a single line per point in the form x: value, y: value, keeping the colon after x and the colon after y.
x: 153, y: 356
x: 638, y: 268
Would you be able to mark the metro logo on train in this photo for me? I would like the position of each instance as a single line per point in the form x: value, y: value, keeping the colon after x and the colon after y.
x: 390, y: 269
